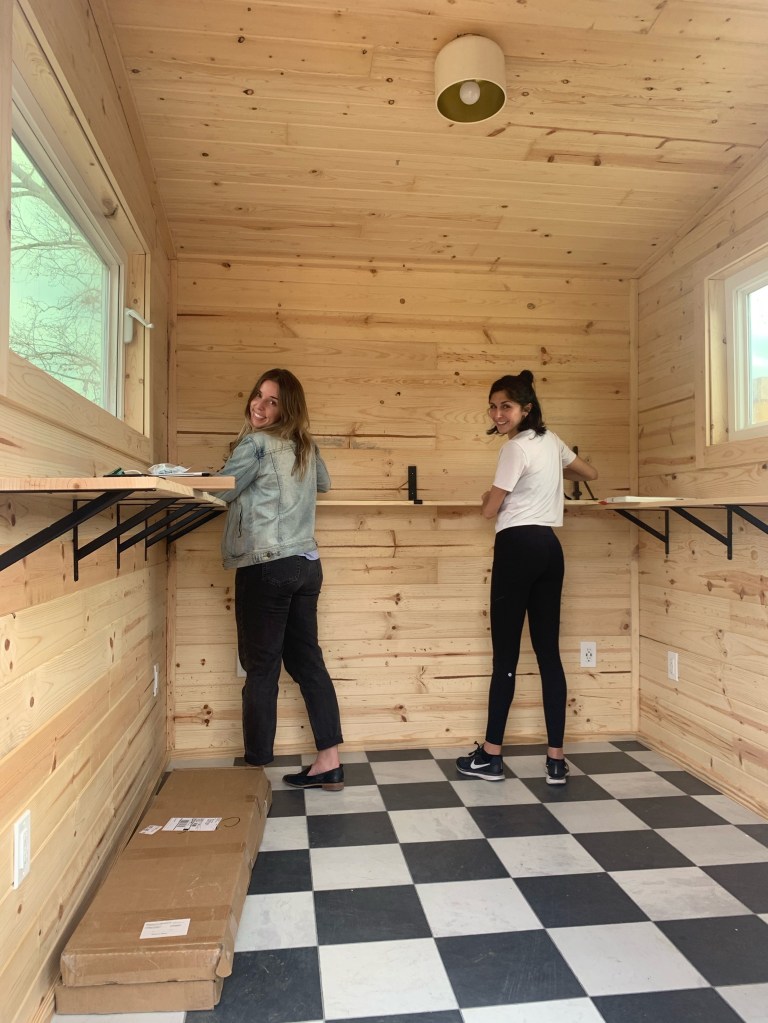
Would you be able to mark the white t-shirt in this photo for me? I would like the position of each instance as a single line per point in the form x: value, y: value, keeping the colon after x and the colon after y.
x: 531, y: 467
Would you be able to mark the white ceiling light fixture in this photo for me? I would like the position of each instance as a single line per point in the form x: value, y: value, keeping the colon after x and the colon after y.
x: 470, y: 79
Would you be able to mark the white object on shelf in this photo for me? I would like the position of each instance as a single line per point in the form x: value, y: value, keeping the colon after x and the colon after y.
x: 639, y: 500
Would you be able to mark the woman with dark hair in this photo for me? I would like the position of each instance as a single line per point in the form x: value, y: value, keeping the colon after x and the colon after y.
x: 526, y: 500
x: 268, y: 539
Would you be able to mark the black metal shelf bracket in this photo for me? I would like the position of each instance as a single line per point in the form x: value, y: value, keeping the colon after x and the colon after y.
x: 200, y: 517
x: 121, y: 527
x: 177, y: 520
x: 748, y: 517
x: 725, y: 538
x: 413, y: 487
x: 154, y: 527
x: 76, y: 517
x: 664, y: 537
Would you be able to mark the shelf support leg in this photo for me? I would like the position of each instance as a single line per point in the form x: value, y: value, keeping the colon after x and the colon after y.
x: 664, y: 537
x: 725, y: 539
x: 76, y: 517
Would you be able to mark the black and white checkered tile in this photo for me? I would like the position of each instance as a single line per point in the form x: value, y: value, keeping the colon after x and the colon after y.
x: 636, y: 893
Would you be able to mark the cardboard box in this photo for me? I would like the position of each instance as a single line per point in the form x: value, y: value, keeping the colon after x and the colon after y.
x: 171, y: 996
x: 167, y: 914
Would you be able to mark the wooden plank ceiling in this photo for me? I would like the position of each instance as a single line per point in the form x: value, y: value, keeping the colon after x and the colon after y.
x: 308, y: 129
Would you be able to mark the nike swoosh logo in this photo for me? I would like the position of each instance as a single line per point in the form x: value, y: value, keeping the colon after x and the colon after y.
x: 478, y: 767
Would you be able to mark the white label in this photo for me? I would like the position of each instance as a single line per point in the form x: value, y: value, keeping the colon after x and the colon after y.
x: 165, y: 928
x: 150, y: 829
x: 192, y: 824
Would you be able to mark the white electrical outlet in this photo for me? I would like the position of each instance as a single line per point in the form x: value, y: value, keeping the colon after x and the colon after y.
x: 239, y: 669
x: 588, y: 658
x: 155, y: 679
x: 672, y: 665
x: 22, y: 847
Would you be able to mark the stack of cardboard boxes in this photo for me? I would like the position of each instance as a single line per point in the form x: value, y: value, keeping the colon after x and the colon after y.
x: 160, y: 932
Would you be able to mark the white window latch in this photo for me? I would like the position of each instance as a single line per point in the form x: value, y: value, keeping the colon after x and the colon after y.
x: 130, y: 316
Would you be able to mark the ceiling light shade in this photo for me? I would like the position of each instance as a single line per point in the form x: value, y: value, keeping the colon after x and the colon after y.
x: 470, y: 79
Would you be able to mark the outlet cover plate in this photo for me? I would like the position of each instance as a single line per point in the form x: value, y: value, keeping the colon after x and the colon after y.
x: 22, y: 847
x: 672, y: 667
x: 588, y: 655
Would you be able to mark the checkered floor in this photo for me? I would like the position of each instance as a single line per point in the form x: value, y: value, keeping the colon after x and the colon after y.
x: 636, y: 893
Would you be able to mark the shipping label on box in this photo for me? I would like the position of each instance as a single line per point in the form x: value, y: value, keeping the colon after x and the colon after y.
x: 192, y: 824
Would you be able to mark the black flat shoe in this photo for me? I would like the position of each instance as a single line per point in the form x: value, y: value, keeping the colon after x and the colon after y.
x: 331, y: 781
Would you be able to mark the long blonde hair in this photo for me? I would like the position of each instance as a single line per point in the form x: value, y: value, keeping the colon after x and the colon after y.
x: 293, y: 424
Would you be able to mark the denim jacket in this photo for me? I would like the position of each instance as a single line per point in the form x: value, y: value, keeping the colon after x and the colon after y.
x: 271, y: 511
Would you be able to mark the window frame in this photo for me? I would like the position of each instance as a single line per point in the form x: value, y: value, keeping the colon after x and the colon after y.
x: 716, y: 446
x: 737, y: 288
x: 81, y: 436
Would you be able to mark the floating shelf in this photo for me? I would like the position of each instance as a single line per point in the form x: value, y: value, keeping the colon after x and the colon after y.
x: 680, y: 506
x: 625, y: 507
x: 167, y: 509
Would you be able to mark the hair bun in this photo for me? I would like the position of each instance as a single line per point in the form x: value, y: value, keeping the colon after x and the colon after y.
x: 526, y: 376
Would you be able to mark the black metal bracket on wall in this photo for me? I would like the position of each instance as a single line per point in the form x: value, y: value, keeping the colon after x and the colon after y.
x: 724, y: 538
x: 664, y: 537
x: 413, y: 487
x: 116, y: 532
x: 175, y: 523
x: 78, y: 515
x: 174, y: 526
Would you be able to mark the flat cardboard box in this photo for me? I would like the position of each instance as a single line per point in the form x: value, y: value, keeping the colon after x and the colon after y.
x: 171, y: 996
x: 196, y: 876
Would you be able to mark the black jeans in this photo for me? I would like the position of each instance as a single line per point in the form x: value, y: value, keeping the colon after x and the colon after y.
x: 276, y: 612
x: 527, y: 577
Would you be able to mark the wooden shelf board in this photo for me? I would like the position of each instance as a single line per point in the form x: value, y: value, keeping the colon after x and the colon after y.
x: 194, y: 490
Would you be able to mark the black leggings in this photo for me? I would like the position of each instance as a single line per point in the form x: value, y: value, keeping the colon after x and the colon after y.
x: 527, y: 577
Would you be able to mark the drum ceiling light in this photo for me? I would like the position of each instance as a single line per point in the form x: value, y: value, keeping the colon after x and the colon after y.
x: 470, y: 79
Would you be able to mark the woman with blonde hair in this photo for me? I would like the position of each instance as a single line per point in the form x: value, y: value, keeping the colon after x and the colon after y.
x: 268, y: 539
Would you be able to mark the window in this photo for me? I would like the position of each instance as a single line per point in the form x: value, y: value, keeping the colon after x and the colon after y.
x: 746, y: 325
x: 81, y: 234
x: 67, y: 278
x: 731, y: 400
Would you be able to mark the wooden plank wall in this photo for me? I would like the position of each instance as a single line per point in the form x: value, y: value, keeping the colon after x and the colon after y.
x: 396, y: 364
x: 82, y: 741
x: 714, y: 720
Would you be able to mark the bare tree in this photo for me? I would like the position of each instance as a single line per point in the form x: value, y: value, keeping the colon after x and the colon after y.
x: 57, y: 285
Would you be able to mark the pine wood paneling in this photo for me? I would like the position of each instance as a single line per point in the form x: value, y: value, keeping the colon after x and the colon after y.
x: 82, y: 739
x: 397, y: 365
x: 329, y: 220
x: 65, y: 29
x: 712, y: 611
x: 301, y: 130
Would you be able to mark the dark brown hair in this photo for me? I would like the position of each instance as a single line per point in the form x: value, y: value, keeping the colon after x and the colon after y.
x: 520, y: 389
